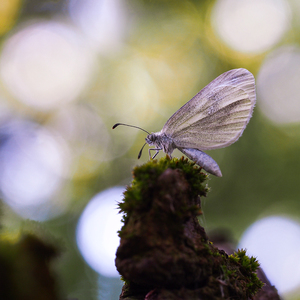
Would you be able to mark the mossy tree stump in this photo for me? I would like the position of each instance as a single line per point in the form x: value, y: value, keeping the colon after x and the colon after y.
x: 164, y: 253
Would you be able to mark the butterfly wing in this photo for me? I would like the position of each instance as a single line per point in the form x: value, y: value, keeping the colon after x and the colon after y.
x: 217, y: 116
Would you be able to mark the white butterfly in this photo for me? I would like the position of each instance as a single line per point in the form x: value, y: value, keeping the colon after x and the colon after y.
x: 216, y: 117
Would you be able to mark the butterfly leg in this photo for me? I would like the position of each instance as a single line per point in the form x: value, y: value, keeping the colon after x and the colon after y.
x: 154, y: 149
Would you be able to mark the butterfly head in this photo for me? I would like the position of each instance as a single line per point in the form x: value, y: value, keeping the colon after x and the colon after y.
x: 161, y: 141
x: 151, y: 139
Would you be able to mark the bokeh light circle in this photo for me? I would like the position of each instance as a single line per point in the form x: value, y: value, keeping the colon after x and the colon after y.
x: 33, y: 161
x: 46, y: 64
x: 102, y: 21
x: 275, y: 241
x: 96, y: 233
x: 278, y: 85
x: 251, y: 26
x: 86, y: 134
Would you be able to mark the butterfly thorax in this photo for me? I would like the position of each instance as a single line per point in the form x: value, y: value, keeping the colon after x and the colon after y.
x: 161, y: 141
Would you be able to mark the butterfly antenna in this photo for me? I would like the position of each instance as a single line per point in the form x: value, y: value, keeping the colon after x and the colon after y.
x: 116, y: 125
x: 140, y: 153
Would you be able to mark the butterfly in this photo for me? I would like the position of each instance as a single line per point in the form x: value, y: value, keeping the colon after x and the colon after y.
x: 214, y: 118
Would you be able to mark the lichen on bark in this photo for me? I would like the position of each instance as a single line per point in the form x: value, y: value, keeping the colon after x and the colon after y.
x: 164, y: 253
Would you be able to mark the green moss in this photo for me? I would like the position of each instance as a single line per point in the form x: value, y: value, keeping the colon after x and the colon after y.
x: 249, y: 264
x: 246, y: 268
x: 137, y: 196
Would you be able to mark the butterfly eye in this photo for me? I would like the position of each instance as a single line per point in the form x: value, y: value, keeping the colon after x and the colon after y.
x: 151, y: 138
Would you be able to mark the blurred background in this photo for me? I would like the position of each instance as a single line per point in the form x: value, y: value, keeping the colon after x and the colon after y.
x: 70, y: 69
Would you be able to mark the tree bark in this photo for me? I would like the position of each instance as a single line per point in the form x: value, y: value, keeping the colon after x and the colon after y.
x: 164, y: 253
